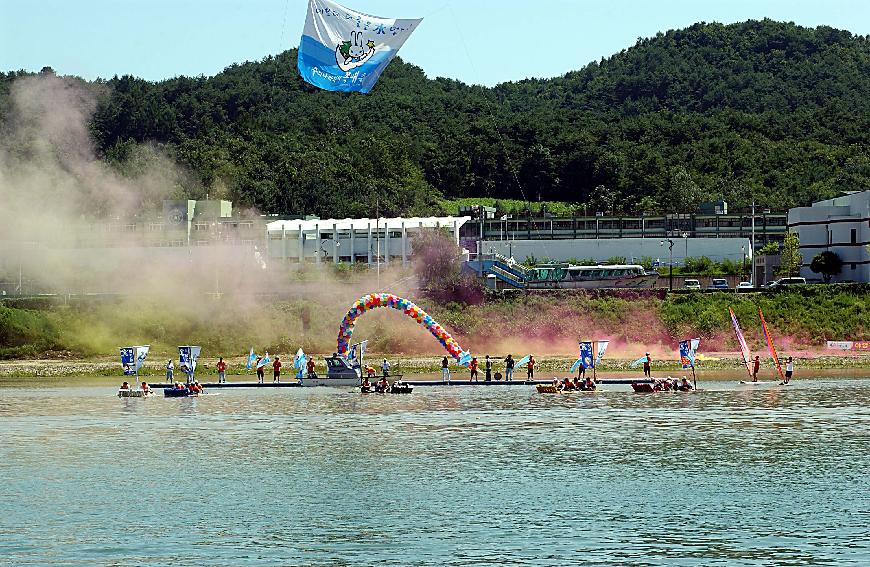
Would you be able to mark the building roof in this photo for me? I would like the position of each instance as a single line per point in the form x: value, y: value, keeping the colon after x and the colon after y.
x: 362, y: 224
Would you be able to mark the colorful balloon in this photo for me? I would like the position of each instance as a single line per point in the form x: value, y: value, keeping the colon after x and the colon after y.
x: 375, y: 300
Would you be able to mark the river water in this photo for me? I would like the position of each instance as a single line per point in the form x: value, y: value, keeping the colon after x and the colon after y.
x: 758, y: 475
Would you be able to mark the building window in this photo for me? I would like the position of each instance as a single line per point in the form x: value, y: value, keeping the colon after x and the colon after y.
x: 200, y: 226
x: 853, y: 236
x: 854, y: 266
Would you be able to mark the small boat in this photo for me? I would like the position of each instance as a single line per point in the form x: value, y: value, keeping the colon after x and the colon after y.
x: 643, y: 388
x: 180, y: 393
x: 127, y: 393
x: 400, y: 389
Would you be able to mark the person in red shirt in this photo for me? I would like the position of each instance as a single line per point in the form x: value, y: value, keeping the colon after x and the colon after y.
x: 310, y: 368
x: 222, y: 370
x: 276, y: 370
x: 473, y: 368
x: 530, y: 367
x: 755, y: 366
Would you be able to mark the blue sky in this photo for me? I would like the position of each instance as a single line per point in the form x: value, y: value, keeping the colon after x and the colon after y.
x: 475, y: 41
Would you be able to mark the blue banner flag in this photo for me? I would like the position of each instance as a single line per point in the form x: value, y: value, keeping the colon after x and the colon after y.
x: 252, y: 358
x: 586, y: 355
x: 345, y: 50
x: 128, y: 360
x: 264, y: 361
x: 687, y: 352
x: 187, y: 356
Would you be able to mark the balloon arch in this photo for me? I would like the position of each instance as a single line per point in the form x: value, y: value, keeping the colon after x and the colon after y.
x: 375, y: 300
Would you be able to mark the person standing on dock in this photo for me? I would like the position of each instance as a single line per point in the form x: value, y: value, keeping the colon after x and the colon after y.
x: 222, y: 371
x: 487, y: 369
x: 755, y: 366
x: 276, y: 370
x: 509, y: 369
x: 473, y: 367
x: 309, y: 367
x: 386, y: 368
x: 530, y: 368
x: 169, y: 372
x: 260, y: 371
x: 445, y: 370
x: 647, y: 366
x: 581, y: 371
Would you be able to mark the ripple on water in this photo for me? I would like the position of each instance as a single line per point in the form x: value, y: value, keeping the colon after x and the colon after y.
x: 446, y: 476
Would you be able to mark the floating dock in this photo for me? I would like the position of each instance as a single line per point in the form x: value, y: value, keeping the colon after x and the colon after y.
x: 218, y: 385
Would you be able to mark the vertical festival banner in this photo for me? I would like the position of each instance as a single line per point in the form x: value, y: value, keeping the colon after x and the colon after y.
x: 141, y: 353
x: 187, y: 356
x: 586, y: 354
x: 602, y: 348
x: 128, y: 360
x: 685, y: 352
x: 345, y: 50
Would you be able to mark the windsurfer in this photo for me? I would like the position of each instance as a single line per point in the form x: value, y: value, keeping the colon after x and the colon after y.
x: 789, y: 370
x: 755, y: 366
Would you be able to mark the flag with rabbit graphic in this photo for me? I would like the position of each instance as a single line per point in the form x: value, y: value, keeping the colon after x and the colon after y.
x: 345, y: 50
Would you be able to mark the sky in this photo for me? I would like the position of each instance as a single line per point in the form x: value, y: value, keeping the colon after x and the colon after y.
x: 475, y: 41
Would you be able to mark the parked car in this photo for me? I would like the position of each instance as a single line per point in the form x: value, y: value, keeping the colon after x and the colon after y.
x: 788, y: 281
x: 691, y: 284
x: 744, y: 286
x: 718, y: 283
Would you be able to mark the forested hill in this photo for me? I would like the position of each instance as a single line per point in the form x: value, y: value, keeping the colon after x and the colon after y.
x: 761, y: 109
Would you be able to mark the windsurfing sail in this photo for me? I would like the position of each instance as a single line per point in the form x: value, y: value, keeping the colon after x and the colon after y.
x: 345, y: 50
x: 264, y: 361
x: 770, y: 345
x: 744, y: 349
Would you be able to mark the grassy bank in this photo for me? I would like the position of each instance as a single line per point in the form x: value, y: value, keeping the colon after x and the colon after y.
x: 801, y: 320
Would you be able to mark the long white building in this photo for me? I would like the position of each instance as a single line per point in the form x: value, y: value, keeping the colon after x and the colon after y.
x: 352, y: 240
x: 841, y: 225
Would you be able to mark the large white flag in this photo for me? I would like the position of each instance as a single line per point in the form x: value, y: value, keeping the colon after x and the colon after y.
x: 345, y: 50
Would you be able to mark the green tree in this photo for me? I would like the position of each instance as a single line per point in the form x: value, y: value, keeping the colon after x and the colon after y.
x: 828, y: 263
x: 685, y: 195
x: 790, y: 257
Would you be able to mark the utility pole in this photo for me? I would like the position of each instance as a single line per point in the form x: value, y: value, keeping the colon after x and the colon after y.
x: 480, y: 213
x: 752, y: 247
x: 670, y: 262
x: 378, y: 232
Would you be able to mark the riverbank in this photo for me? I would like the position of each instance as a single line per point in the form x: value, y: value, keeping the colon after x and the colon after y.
x: 800, y: 320
x: 714, y: 364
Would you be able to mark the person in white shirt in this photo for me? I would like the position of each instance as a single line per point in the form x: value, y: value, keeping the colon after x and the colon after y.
x: 169, y: 372
x: 386, y: 367
x: 789, y: 370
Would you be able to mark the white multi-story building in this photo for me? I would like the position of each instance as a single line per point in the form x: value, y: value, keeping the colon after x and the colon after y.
x: 841, y: 225
x: 369, y: 241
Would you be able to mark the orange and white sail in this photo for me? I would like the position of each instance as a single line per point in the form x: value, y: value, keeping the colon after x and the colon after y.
x: 770, y: 345
x: 744, y: 349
